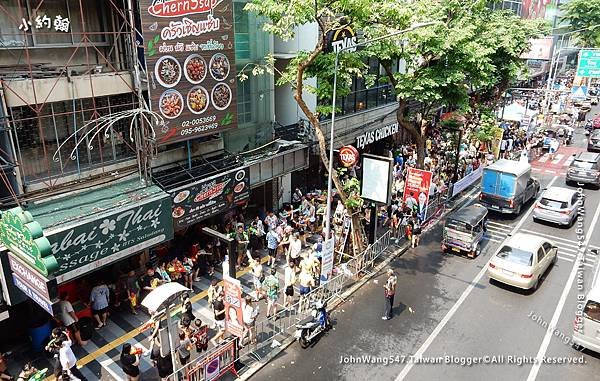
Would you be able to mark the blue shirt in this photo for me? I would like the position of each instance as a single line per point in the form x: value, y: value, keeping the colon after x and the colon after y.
x: 99, y: 297
x: 272, y: 239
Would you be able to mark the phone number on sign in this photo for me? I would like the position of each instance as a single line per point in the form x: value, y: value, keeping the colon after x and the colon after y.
x: 197, y: 125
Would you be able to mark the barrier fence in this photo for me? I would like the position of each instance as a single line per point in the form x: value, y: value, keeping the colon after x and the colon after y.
x: 270, y: 333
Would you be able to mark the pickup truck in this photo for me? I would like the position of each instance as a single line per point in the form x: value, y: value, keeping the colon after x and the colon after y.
x: 507, y: 185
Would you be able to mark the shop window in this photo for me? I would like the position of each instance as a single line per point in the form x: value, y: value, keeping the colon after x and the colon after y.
x: 10, y: 19
x: 244, y: 101
x: 242, y: 31
x: 73, y: 14
x: 38, y: 136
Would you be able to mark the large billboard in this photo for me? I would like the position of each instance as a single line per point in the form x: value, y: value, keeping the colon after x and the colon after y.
x: 534, y: 9
x: 540, y: 49
x: 190, y: 61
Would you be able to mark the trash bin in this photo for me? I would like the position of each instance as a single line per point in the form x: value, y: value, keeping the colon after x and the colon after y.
x: 39, y: 335
x: 86, y: 328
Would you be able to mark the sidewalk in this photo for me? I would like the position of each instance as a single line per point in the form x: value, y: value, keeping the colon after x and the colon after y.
x: 99, y: 358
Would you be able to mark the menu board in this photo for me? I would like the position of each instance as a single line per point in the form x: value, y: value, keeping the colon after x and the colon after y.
x: 190, y: 61
x: 208, y: 197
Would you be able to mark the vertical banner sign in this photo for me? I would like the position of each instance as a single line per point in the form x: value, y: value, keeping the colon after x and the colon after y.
x: 234, y: 320
x: 417, y: 186
x: 190, y: 61
x: 327, y: 261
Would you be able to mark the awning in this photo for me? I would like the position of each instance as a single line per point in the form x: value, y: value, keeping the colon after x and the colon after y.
x: 162, y: 296
x: 94, y: 228
x: 276, y: 160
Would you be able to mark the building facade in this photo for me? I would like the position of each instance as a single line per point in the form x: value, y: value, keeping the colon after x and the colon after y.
x: 86, y: 163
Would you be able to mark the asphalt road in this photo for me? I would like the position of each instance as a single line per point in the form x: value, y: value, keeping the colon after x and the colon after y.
x: 458, y: 312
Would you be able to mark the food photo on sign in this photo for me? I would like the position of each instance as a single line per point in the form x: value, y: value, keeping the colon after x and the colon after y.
x: 210, y: 197
x: 189, y: 49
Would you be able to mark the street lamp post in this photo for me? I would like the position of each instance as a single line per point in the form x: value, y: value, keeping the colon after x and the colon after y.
x: 333, y: 102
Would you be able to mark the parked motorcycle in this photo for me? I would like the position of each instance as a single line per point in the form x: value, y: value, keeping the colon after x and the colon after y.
x: 307, y: 332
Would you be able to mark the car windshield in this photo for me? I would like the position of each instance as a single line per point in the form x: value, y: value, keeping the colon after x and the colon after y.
x: 515, y: 255
x: 554, y: 204
x: 584, y: 164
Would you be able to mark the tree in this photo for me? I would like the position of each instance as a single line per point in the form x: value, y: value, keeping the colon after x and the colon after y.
x: 283, y: 19
x: 581, y: 14
x: 466, y: 61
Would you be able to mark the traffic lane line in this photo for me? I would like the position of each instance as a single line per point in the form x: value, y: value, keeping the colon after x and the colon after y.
x: 561, y: 303
x: 131, y: 334
x: 475, y: 282
x: 553, y: 237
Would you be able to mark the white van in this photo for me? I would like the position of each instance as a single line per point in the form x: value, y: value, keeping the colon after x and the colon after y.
x: 586, y: 327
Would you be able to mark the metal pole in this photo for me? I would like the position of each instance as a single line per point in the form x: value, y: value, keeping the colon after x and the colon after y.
x: 171, y: 344
x: 333, y: 101
x: 330, y: 169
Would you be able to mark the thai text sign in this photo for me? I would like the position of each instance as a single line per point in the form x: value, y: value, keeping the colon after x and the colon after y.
x: 234, y: 320
x: 418, y: 183
x: 209, y: 197
x: 24, y: 237
x: 190, y: 62
x: 327, y: 261
x: 86, y: 247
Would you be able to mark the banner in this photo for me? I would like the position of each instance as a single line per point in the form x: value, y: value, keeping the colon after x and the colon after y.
x: 92, y: 245
x: 209, y: 197
x: 327, y: 261
x: 234, y: 318
x: 190, y: 61
x: 417, y: 186
x: 466, y: 181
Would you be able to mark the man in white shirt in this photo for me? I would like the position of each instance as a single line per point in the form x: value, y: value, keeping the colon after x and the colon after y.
x: 68, y: 360
x: 249, y: 313
x: 294, y: 249
x: 67, y: 316
x: 289, y: 282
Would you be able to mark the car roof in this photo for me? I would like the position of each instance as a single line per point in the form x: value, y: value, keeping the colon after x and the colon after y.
x: 526, y: 242
x: 588, y: 156
x: 559, y: 193
x: 471, y: 214
x: 510, y: 166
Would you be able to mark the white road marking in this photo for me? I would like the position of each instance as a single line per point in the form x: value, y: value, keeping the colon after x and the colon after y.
x: 496, y: 230
x: 461, y: 299
x: 544, y: 158
x: 558, y: 158
x: 568, y: 161
x: 491, y: 239
x: 550, y: 236
x: 499, y: 224
x: 561, y: 302
x: 566, y: 259
x: 536, y: 169
x: 561, y: 252
x: 549, y: 171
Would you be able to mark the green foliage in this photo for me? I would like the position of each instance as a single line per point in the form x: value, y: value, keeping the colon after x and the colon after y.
x: 581, y: 14
x: 487, y: 128
x: 352, y: 189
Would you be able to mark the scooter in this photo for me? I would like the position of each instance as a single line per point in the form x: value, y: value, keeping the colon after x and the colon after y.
x: 307, y: 332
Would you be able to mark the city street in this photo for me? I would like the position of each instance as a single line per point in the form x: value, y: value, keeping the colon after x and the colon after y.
x: 446, y: 306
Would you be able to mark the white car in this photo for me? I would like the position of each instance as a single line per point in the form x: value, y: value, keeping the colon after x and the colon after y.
x: 522, y: 259
x: 558, y: 205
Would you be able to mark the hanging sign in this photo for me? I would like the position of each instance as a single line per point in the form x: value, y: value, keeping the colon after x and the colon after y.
x: 234, y: 319
x: 348, y: 156
x: 24, y: 237
x: 417, y: 186
x: 342, y: 38
x: 190, y: 61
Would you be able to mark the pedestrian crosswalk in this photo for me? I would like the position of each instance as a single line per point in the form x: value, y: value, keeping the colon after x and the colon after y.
x: 568, y: 249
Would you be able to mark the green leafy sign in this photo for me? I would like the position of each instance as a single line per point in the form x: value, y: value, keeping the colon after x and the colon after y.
x: 24, y: 237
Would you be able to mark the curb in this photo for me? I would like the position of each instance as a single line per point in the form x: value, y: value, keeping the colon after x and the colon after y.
x: 257, y: 366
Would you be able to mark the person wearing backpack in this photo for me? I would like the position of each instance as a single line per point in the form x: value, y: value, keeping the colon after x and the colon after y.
x: 416, y: 233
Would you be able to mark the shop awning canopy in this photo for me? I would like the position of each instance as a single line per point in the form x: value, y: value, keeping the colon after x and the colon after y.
x: 515, y: 112
x: 163, y: 295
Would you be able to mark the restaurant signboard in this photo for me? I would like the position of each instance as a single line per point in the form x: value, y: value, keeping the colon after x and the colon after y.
x: 190, y: 58
x: 208, y: 197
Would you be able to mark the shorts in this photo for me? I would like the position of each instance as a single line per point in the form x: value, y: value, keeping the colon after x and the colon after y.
x: 289, y: 290
x: 272, y: 252
x: 296, y: 260
x: 100, y: 311
x: 304, y: 290
x: 220, y: 324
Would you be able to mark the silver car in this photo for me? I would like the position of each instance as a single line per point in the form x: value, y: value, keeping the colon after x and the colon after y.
x: 522, y: 260
x: 558, y: 205
x: 585, y: 169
